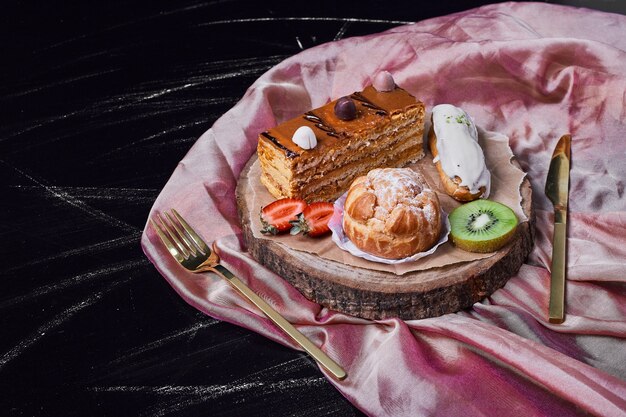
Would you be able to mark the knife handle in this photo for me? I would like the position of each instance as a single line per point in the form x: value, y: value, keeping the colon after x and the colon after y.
x: 321, y: 357
x: 556, y: 307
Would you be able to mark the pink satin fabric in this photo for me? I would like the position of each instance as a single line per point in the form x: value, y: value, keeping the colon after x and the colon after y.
x: 529, y: 70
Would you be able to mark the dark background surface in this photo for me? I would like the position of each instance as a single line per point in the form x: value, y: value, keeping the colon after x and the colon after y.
x: 98, y: 104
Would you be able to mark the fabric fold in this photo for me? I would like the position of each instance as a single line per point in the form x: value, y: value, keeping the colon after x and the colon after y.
x: 531, y: 71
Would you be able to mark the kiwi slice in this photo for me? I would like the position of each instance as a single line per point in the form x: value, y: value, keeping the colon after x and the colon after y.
x: 482, y: 226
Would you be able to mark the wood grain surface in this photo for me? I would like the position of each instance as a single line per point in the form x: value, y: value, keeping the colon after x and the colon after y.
x: 372, y: 294
x: 100, y: 101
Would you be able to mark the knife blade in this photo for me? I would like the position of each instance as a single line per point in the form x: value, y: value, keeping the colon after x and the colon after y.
x: 557, y: 191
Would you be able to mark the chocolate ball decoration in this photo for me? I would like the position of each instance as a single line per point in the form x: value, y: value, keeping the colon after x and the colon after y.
x: 345, y: 109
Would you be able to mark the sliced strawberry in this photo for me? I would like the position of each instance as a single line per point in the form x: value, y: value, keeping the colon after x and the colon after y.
x: 314, y: 220
x: 276, y: 216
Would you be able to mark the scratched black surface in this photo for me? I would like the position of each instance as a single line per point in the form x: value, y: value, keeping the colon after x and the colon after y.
x: 99, y: 101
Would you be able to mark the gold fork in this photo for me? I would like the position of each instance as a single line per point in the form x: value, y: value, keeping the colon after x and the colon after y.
x: 188, y: 248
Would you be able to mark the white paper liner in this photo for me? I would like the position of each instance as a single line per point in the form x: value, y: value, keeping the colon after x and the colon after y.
x: 341, y: 240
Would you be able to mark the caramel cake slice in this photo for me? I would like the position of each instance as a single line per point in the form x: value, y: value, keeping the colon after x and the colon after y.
x: 348, y: 137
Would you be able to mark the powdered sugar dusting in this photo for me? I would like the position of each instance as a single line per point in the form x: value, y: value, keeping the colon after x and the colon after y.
x: 399, y: 186
x: 343, y: 242
x: 395, y: 189
x: 429, y: 212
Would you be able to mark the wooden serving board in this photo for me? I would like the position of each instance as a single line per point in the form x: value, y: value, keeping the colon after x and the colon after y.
x: 372, y: 294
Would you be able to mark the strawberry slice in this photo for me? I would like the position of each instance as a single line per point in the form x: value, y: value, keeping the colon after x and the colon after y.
x: 314, y: 220
x: 277, y: 215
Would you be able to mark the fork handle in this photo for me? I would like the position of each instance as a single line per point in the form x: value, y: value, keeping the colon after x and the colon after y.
x: 281, y: 322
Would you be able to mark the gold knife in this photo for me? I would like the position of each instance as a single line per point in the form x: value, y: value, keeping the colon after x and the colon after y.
x: 557, y: 190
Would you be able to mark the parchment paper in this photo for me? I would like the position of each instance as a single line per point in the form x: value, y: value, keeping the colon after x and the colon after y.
x: 506, y: 179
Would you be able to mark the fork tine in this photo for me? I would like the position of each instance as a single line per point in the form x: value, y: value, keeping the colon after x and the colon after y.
x: 184, y: 237
x: 194, y: 236
x: 167, y: 242
x: 174, y: 237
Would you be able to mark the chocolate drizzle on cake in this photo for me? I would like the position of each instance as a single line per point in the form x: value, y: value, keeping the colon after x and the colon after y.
x: 319, y: 123
x: 386, y: 131
x: 290, y: 154
x: 366, y: 103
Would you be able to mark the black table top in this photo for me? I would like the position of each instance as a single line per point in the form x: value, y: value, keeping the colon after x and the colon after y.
x: 99, y: 103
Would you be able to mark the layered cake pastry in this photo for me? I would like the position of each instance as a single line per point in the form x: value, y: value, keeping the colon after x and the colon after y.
x: 391, y: 213
x: 317, y: 155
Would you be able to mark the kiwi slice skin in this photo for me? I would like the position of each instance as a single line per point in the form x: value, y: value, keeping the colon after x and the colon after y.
x: 482, y: 226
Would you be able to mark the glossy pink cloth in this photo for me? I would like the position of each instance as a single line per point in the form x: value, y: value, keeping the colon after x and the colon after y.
x: 528, y: 70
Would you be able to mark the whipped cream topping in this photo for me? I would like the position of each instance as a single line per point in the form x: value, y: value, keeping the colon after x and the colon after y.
x: 458, y: 149
x: 304, y: 137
